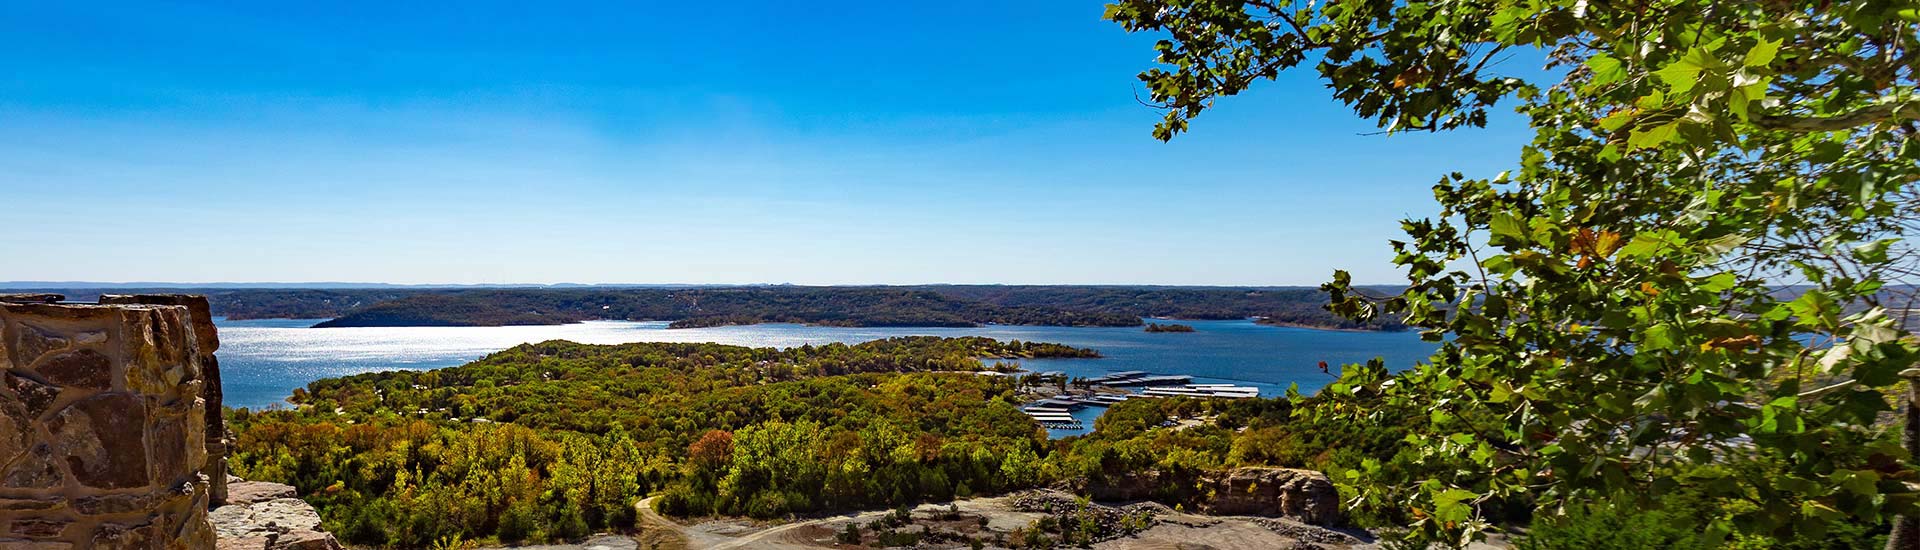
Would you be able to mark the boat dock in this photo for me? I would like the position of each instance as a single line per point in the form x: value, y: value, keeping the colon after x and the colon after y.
x: 1137, y: 378
x: 1228, y: 391
x: 1056, y: 412
x: 1054, y: 418
x: 1114, y: 377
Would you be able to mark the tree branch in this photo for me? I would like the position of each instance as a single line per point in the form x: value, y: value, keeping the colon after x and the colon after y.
x: 1863, y: 116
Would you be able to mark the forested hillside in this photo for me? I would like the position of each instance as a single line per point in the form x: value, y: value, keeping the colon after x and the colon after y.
x: 838, y: 306
x: 872, y: 306
x: 263, y: 303
x: 1294, y: 306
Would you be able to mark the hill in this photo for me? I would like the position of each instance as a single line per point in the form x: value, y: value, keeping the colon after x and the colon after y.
x: 873, y: 306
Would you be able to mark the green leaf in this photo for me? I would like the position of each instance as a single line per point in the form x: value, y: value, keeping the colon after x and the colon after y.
x: 1762, y: 53
x: 1449, y: 505
x: 1719, y: 282
x: 1501, y: 393
x: 1724, y: 244
x: 1649, y: 243
x: 1617, y: 119
x: 1737, y: 101
x: 1680, y: 76
x: 1644, y: 138
x: 1659, y: 337
x: 1606, y: 69
x: 1506, y: 226
x: 1873, y: 252
x: 1859, y: 482
x: 1816, y: 308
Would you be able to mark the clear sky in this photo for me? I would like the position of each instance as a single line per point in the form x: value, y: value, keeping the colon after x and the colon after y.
x: 680, y: 142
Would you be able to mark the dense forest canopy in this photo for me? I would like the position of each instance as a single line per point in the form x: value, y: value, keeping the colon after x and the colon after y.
x: 263, y: 303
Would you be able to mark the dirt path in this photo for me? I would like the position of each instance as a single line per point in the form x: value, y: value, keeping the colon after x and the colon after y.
x: 772, y: 537
x: 659, y: 527
x: 1176, y: 531
x: 697, y: 538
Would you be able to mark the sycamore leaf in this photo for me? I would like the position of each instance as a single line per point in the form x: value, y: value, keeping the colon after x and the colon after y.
x: 1449, y: 505
x: 1656, y: 136
x: 1606, y: 69
x: 1816, y: 309
x: 1719, y: 282
x: 1648, y: 243
x: 1680, y: 76
x: 1873, y: 252
x: 1507, y: 226
x: 1618, y: 119
x: 1834, y: 358
x: 1659, y: 337
x: 1762, y: 53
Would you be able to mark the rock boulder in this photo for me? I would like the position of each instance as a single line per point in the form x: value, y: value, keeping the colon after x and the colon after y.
x: 249, y: 492
x: 1305, y: 495
x: 274, y: 524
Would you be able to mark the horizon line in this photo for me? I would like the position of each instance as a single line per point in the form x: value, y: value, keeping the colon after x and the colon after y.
x: 30, y: 284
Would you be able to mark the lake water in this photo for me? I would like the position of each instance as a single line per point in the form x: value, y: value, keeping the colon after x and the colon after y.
x: 262, y: 361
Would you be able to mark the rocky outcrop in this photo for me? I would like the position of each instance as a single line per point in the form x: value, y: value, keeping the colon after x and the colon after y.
x: 1304, y: 495
x: 282, y: 523
x: 102, y: 426
x: 240, y: 491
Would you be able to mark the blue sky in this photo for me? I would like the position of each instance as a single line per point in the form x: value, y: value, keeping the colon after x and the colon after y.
x: 815, y: 143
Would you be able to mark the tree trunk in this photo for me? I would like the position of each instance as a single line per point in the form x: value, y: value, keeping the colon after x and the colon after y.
x: 1906, y: 529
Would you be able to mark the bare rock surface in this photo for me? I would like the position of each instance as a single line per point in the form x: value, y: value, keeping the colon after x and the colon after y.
x: 596, y: 542
x: 249, y: 492
x: 283, y: 524
x: 1306, y: 495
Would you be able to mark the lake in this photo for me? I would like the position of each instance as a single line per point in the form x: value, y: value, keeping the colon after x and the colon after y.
x: 262, y: 361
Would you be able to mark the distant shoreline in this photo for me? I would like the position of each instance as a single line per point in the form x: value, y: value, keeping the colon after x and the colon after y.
x: 673, y: 324
x: 932, y: 306
x: 1326, y: 328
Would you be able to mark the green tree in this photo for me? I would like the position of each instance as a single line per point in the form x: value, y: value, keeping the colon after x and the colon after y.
x: 1700, y: 259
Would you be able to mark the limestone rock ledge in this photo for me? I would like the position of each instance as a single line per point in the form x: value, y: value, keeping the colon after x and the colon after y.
x: 1304, y: 495
x: 240, y: 491
x: 265, y: 516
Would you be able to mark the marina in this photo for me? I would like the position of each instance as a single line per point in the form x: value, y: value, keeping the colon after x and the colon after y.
x: 1063, y: 412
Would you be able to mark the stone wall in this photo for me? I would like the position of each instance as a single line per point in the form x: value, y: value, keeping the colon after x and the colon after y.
x: 103, y: 424
x: 207, y: 339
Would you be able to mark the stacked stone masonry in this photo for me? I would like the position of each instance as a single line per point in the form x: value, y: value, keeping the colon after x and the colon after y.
x: 104, y: 438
